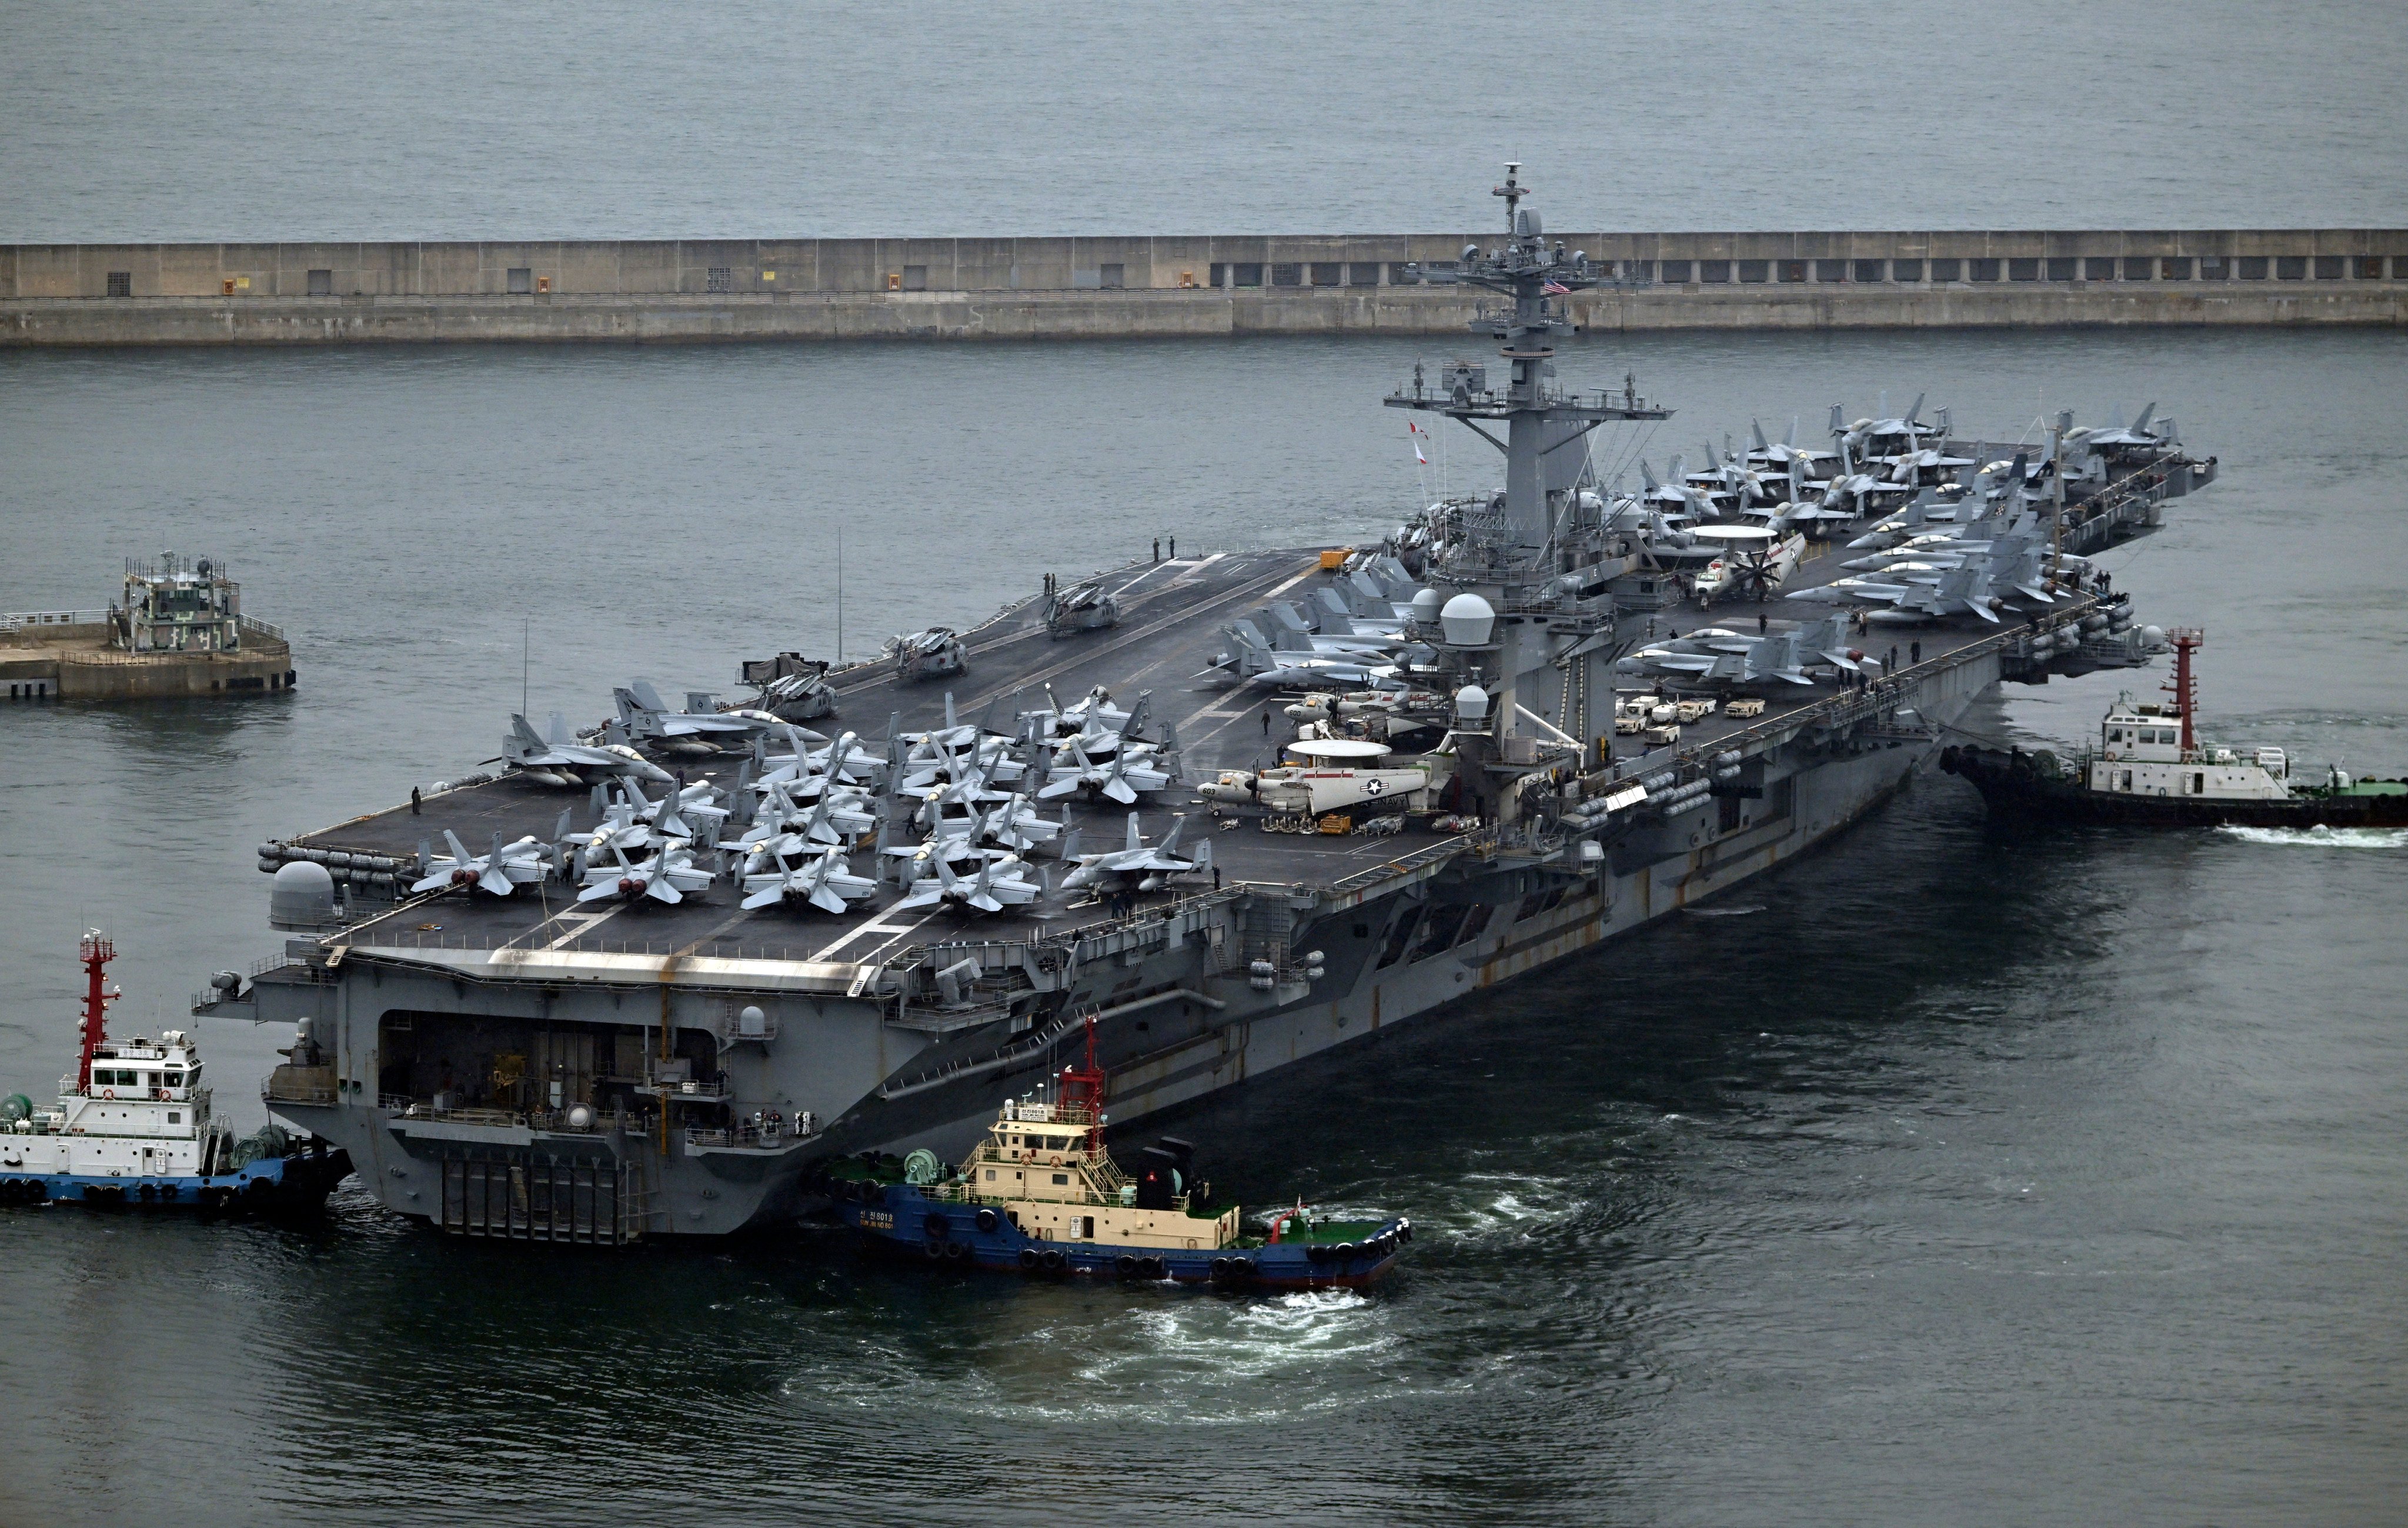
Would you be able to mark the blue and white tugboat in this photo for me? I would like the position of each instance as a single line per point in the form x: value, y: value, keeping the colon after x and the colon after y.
x: 132, y: 1126
x: 1041, y: 1195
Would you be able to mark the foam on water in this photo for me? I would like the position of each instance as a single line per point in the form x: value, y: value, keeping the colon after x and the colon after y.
x: 2321, y: 837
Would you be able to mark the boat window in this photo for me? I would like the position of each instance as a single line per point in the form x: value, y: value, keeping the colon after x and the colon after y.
x: 990, y: 1175
x: 174, y: 1116
x: 1062, y: 1177
x: 175, y: 1079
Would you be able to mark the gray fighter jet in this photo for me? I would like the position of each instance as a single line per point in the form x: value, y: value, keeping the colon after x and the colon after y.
x: 1146, y: 866
x: 701, y: 728
x: 498, y: 871
x: 560, y: 759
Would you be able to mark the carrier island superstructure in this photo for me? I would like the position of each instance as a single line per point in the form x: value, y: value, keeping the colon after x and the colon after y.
x: 533, y: 1066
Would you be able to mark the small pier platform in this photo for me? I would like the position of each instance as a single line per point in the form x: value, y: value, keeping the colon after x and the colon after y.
x: 179, y: 633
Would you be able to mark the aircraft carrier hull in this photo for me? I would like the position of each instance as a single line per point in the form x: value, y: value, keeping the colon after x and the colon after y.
x: 520, y: 1067
x: 1179, y: 1016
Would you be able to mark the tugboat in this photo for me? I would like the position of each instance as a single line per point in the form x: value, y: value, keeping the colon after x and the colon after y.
x: 2150, y: 769
x: 132, y: 1126
x: 1041, y: 1195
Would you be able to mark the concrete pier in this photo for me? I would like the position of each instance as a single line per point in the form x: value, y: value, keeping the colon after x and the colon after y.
x: 68, y: 656
x: 1172, y: 287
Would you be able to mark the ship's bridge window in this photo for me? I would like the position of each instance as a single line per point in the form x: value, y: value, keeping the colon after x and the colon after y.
x: 175, y: 1079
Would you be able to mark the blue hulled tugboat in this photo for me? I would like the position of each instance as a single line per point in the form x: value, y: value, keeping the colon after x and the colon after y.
x: 1041, y: 1195
x: 132, y: 1126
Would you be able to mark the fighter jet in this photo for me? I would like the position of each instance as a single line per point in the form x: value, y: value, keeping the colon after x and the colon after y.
x: 559, y: 759
x: 2137, y: 434
x: 498, y: 871
x: 1874, y: 437
x: 669, y: 876
x: 1778, y: 461
x: 823, y: 879
x: 1017, y: 825
x: 1121, y: 778
x: 678, y: 813
x: 1148, y: 866
x: 1921, y: 515
x: 997, y: 884
x: 1284, y: 626
x: 1677, y: 498
x: 831, y: 817
x: 699, y: 729
x: 1959, y: 591
x: 1249, y: 660
x: 1059, y: 720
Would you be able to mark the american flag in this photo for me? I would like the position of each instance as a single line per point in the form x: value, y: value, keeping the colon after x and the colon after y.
x: 1555, y: 289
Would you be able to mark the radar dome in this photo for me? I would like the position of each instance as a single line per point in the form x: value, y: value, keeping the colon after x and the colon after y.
x: 2153, y: 637
x: 1425, y: 606
x: 1467, y: 620
x: 302, y: 896
x: 1471, y: 705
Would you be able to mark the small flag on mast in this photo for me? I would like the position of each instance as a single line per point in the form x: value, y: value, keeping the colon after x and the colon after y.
x: 1555, y: 289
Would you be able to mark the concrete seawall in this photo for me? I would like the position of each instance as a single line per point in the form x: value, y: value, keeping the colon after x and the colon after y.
x: 1084, y: 288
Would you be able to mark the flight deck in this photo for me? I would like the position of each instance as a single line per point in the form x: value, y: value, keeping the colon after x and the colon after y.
x: 1170, y: 633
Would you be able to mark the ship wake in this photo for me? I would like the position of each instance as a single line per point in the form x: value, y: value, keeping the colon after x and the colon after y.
x: 2322, y: 837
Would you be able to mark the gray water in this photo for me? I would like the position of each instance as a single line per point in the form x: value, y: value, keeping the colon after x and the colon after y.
x: 296, y: 119
x: 1944, y: 1176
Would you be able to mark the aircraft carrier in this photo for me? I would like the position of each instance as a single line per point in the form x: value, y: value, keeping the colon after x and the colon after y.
x: 535, y: 1066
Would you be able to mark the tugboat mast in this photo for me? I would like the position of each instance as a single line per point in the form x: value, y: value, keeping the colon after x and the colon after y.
x: 98, y: 951
x: 2184, y: 688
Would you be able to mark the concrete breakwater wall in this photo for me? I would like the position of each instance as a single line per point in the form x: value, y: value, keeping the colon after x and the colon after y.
x: 1105, y: 288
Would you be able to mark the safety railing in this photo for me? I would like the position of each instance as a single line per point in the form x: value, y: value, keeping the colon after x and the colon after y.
x: 18, y: 620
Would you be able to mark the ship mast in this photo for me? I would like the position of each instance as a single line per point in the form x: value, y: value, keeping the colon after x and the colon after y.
x: 2184, y: 688
x: 1082, y: 1088
x: 1510, y: 560
x: 98, y: 951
